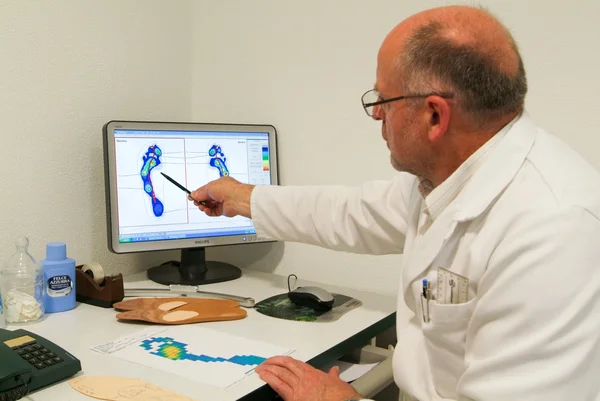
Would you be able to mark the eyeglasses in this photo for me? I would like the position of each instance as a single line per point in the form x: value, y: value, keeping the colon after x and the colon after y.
x: 372, y: 98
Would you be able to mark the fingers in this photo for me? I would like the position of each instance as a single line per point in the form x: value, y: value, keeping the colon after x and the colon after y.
x: 200, y: 194
x: 223, y: 197
x: 281, y: 387
x: 335, y: 372
x: 293, y: 365
x: 281, y: 373
x: 278, y: 372
x: 211, y: 210
x: 209, y: 206
x: 201, y: 203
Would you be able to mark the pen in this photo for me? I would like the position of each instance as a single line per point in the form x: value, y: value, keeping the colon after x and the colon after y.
x: 428, y: 299
x: 429, y: 291
x: 425, y: 296
x: 203, y: 203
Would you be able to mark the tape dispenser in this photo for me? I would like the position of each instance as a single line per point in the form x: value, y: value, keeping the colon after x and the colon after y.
x: 95, y: 288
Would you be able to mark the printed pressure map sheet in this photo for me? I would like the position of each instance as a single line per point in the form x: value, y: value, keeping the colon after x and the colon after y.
x: 199, y: 354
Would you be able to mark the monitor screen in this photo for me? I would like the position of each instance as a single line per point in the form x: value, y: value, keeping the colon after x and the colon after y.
x: 147, y: 212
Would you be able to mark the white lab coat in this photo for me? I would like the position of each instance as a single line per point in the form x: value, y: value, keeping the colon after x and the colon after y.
x: 524, y: 230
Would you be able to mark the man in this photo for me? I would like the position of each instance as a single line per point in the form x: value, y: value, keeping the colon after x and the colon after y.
x: 497, y: 220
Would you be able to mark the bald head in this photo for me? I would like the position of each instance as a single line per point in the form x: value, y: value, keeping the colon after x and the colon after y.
x: 459, y: 49
x: 462, y: 26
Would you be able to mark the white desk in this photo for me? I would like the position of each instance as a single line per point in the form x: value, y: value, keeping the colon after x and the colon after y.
x: 77, y: 330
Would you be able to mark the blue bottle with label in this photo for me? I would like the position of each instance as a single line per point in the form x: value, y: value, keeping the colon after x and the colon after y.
x: 59, y: 276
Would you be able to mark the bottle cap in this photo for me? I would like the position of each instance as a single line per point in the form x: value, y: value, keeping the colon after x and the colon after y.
x: 56, y: 251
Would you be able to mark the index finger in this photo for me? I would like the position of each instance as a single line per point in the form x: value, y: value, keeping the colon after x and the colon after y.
x: 200, y: 195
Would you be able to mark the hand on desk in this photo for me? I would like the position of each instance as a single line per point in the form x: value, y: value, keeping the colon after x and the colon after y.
x: 298, y: 381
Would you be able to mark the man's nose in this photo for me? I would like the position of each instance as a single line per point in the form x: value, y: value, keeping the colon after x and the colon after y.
x: 377, y: 113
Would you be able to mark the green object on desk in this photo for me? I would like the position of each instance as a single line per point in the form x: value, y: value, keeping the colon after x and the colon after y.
x: 29, y: 362
x: 279, y: 306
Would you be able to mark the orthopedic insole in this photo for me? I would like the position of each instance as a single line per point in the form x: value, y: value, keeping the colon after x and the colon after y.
x: 179, y: 310
x: 123, y: 389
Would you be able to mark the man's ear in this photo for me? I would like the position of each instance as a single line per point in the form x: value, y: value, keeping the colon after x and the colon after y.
x: 438, y: 116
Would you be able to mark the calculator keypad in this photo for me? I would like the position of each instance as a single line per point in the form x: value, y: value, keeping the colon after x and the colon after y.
x: 38, y: 355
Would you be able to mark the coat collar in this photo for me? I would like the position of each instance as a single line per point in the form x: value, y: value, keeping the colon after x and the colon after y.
x: 501, y: 166
x: 492, y: 177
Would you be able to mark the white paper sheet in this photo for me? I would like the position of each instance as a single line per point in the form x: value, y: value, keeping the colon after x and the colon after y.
x: 351, y: 371
x: 199, y: 354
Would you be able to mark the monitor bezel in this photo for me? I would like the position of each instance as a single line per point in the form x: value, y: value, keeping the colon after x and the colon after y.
x: 175, y: 244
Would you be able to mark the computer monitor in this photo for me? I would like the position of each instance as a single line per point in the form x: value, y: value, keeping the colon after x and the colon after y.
x: 145, y: 212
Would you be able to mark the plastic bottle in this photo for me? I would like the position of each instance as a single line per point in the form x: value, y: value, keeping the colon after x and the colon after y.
x: 22, y: 286
x: 59, y: 275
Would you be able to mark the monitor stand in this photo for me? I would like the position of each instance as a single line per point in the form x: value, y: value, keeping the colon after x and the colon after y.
x: 193, y: 269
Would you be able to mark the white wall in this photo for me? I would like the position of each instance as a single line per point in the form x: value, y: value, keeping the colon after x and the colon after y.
x: 66, y: 68
x: 302, y: 66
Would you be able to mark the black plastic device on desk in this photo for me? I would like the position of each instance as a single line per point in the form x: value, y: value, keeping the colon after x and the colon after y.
x: 29, y: 362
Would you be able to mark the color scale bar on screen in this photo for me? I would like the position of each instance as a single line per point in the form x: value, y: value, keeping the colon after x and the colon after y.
x: 265, y: 158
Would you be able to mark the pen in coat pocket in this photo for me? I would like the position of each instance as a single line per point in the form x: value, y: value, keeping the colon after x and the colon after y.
x: 425, y: 298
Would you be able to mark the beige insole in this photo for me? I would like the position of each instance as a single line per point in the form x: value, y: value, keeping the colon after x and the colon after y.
x: 179, y: 310
x: 123, y: 389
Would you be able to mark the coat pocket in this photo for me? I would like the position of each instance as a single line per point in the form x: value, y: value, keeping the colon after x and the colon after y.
x: 445, y: 337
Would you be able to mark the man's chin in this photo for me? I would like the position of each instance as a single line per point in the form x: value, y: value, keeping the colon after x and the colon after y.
x: 400, y: 167
x: 396, y: 165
